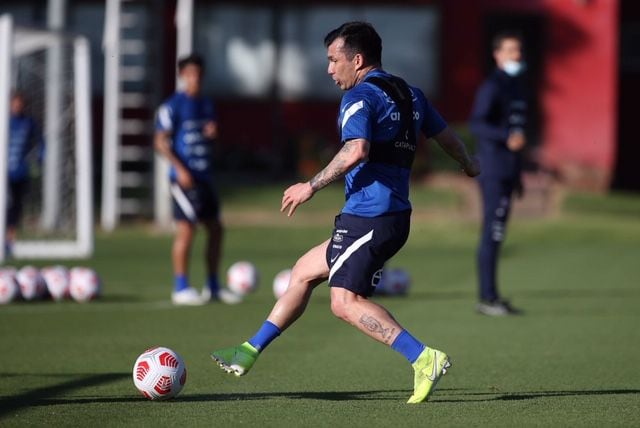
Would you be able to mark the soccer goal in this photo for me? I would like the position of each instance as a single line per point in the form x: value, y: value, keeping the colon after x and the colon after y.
x: 51, y: 71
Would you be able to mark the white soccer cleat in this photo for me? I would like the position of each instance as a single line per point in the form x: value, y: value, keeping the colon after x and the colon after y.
x: 225, y: 296
x: 187, y: 297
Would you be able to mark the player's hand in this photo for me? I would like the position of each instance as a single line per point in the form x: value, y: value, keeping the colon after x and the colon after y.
x: 296, y: 195
x: 185, y: 179
x: 471, y: 167
x: 210, y: 130
x: 516, y: 141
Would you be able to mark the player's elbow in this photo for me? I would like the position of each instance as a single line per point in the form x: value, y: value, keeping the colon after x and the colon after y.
x: 360, y: 151
x: 159, y: 142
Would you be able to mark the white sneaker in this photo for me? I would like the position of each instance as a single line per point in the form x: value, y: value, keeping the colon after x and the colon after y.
x: 225, y: 296
x: 187, y: 297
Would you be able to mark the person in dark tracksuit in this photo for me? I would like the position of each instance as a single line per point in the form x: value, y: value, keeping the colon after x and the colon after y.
x: 498, y: 121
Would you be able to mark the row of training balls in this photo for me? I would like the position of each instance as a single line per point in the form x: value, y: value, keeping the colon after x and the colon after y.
x: 159, y: 373
x: 81, y: 284
x: 243, y: 278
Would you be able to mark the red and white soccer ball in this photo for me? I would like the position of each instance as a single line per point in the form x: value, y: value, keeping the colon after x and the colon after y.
x: 9, y: 288
x: 56, y: 279
x: 242, y: 278
x: 84, y: 284
x: 281, y: 282
x: 394, y: 282
x: 31, y: 284
x: 159, y: 373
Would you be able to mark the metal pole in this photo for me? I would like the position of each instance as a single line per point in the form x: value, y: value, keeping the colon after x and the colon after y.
x: 84, y: 179
x: 6, y: 29
x: 111, y: 135
x: 56, y: 11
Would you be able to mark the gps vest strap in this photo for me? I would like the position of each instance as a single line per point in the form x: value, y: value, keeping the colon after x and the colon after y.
x: 400, y: 151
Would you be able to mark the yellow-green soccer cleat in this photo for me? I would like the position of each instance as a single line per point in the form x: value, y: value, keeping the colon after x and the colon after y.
x: 430, y: 366
x: 237, y: 360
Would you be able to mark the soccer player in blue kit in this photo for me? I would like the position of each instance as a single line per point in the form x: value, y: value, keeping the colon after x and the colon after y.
x: 24, y: 138
x: 186, y: 127
x: 380, y: 116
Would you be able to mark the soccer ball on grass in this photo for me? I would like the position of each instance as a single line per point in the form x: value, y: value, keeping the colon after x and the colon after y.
x: 159, y: 373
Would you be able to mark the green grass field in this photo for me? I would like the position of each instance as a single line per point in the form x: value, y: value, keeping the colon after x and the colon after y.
x: 571, y: 360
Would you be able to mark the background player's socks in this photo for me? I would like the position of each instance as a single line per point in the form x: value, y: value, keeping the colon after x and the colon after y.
x: 408, y: 346
x: 213, y: 285
x: 181, y: 282
x: 264, y: 336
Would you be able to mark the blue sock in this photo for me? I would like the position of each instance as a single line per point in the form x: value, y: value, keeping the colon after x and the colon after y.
x: 181, y: 282
x: 408, y: 346
x: 264, y: 336
x: 212, y: 283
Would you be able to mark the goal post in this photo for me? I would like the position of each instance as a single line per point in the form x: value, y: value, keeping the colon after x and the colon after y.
x: 52, y: 71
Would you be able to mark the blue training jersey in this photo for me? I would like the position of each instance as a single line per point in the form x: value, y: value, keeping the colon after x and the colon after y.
x: 184, y: 117
x: 24, y: 136
x: 376, y: 188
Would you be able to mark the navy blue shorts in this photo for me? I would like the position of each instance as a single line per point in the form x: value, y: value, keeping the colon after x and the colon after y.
x: 200, y: 203
x: 17, y: 190
x: 360, y: 246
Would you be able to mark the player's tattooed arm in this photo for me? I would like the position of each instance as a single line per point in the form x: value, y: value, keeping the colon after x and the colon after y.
x: 351, y: 154
x: 374, y: 326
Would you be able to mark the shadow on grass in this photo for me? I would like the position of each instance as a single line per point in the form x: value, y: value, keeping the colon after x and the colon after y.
x: 47, y: 398
x: 40, y: 396
x: 516, y: 396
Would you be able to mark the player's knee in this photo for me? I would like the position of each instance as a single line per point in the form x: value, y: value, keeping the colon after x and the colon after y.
x: 339, y: 308
x: 340, y: 301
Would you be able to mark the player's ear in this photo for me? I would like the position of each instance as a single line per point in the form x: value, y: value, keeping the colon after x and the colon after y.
x: 358, y: 61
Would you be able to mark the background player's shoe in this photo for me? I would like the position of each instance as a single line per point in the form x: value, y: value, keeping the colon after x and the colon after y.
x: 496, y: 308
x: 430, y: 366
x: 223, y: 295
x: 237, y: 360
x: 187, y: 297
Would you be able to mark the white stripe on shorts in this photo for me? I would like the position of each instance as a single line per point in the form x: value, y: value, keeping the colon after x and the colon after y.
x: 350, y: 250
x: 183, y: 202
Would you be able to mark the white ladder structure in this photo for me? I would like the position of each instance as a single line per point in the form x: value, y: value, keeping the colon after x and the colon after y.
x: 131, y: 96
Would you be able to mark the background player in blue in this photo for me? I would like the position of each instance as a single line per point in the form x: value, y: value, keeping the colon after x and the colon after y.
x: 185, y: 129
x: 25, y: 138
x: 378, y: 128
x: 498, y: 121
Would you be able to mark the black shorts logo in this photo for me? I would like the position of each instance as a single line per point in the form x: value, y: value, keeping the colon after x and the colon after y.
x: 376, y: 278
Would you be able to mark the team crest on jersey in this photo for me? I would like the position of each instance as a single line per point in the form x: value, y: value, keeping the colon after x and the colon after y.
x: 337, y: 238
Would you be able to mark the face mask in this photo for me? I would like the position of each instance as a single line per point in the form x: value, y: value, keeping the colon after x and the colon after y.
x: 513, y: 68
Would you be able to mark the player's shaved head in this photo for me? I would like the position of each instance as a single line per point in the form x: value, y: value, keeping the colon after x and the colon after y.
x: 359, y: 38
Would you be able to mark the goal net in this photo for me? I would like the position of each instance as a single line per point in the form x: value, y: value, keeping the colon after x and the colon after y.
x: 50, y: 70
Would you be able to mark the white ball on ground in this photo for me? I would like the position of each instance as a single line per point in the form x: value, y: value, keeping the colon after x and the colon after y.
x: 242, y: 278
x: 56, y: 279
x: 84, y: 284
x: 281, y: 282
x: 394, y: 282
x: 31, y: 284
x: 159, y: 373
x: 9, y: 288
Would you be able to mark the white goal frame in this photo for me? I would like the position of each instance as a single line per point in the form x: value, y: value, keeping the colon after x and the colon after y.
x: 12, y: 40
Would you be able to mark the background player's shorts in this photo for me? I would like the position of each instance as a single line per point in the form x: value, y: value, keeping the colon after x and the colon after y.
x: 360, y: 246
x: 199, y: 203
x: 17, y: 190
